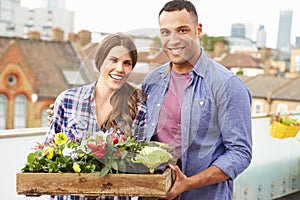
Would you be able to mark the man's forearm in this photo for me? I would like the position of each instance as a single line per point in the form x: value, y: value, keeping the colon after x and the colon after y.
x: 211, y: 175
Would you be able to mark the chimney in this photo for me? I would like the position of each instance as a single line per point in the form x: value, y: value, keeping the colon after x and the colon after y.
x: 73, y: 37
x: 57, y: 34
x: 219, y: 49
x: 34, y: 35
x: 84, y: 37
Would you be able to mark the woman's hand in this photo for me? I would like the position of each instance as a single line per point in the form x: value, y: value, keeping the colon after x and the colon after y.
x: 50, y: 113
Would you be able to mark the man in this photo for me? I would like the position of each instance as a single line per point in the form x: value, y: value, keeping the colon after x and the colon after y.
x: 200, y: 107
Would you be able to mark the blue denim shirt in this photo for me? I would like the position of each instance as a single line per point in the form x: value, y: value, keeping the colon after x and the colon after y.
x: 215, y: 123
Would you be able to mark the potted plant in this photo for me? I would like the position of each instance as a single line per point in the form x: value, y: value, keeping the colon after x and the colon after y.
x: 87, y: 166
x: 284, y: 126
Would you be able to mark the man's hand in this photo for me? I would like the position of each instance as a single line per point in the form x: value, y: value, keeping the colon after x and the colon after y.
x: 50, y: 113
x: 180, y: 185
x: 209, y: 176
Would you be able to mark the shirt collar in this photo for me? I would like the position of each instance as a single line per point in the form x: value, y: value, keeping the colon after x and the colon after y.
x: 89, y: 91
x: 200, y: 67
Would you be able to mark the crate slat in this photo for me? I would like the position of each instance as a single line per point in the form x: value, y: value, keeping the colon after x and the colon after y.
x: 92, y: 185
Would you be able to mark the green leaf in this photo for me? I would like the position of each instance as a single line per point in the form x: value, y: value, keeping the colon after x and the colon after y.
x: 31, y: 157
x: 122, y: 166
x: 114, y: 165
x: 104, y: 171
x: 124, y: 154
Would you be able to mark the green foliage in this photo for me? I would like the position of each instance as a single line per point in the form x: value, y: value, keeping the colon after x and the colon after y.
x: 285, y: 119
x: 101, y: 152
x: 60, y: 157
x: 240, y: 73
x: 208, y: 42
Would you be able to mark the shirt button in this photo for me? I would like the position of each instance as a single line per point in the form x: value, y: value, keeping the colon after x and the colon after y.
x: 158, y: 105
x: 153, y: 124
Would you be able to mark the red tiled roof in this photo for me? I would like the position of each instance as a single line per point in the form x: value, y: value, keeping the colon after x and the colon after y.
x: 239, y: 61
x: 47, y: 60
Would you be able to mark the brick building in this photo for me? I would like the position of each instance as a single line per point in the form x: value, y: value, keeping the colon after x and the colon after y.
x: 32, y: 73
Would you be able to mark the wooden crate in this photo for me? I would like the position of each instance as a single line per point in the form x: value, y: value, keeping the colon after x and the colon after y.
x: 92, y: 185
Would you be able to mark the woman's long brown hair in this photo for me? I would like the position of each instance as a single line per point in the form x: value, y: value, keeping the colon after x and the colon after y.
x: 124, y: 102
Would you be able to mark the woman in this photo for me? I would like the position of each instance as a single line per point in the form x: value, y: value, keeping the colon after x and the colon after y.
x: 109, y: 104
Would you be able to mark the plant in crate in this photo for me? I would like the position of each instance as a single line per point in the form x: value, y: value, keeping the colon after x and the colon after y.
x: 104, y: 152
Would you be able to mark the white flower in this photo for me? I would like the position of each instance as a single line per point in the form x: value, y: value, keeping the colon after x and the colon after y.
x: 102, y: 134
x: 67, y: 151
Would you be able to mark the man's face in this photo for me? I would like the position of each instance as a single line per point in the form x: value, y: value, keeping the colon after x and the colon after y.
x: 180, y: 35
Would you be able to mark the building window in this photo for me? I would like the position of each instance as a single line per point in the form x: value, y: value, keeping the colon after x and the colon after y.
x: 282, y: 108
x: 298, y: 108
x: 11, y: 80
x: 258, y: 108
x: 44, y: 118
x: 2, y: 112
x: 6, y: 15
x: 297, y: 63
x: 20, y: 111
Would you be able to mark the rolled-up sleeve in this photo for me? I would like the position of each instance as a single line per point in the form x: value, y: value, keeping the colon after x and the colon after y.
x: 234, y: 116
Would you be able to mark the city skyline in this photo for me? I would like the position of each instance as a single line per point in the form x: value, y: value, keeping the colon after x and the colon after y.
x: 284, y: 31
x: 123, y: 16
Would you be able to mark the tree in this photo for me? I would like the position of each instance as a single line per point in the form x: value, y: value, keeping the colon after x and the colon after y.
x: 208, y: 42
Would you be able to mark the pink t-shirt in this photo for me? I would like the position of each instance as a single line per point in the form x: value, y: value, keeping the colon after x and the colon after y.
x: 168, y: 128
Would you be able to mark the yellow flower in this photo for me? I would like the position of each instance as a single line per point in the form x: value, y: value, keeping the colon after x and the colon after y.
x: 76, y: 167
x: 80, y: 155
x: 60, y: 138
x: 49, y: 153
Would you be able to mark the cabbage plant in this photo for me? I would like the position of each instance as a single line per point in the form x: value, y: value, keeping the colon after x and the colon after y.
x: 152, y: 157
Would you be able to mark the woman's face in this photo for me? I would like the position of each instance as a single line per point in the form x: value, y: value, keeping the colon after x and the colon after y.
x: 116, y: 68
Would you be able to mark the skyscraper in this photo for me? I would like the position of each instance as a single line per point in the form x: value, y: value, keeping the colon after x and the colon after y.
x: 297, y: 42
x: 284, y: 30
x: 238, y: 30
x: 261, y: 37
x: 7, y: 10
x: 16, y: 20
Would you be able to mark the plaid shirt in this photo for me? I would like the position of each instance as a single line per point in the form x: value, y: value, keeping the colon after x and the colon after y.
x: 75, y: 115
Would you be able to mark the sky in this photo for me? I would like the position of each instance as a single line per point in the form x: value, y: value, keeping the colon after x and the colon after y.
x: 216, y: 16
